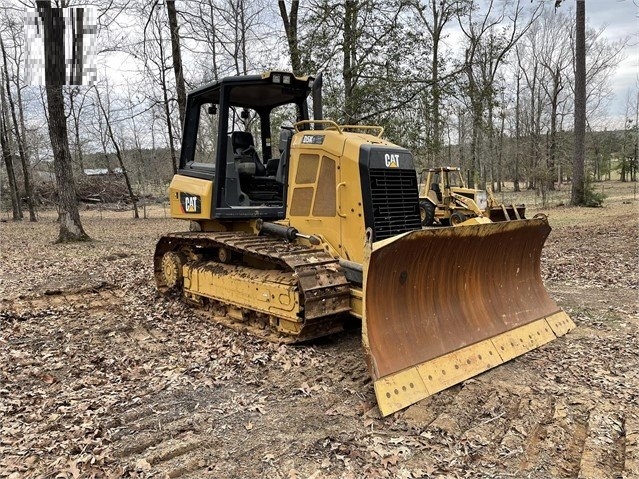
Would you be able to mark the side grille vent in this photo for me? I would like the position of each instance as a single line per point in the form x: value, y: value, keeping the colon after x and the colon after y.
x: 395, y: 201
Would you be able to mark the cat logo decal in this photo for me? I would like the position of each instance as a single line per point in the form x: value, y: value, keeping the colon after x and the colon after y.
x: 190, y: 203
x: 391, y: 160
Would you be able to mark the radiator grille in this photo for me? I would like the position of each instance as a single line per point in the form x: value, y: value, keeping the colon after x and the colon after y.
x: 395, y: 201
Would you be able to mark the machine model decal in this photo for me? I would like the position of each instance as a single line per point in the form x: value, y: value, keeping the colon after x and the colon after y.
x: 313, y: 139
x: 190, y: 203
x: 391, y: 160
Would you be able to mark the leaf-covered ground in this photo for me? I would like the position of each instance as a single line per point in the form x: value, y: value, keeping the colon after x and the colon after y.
x: 102, y: 377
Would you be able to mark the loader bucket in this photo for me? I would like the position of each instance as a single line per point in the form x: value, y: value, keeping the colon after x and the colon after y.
x: 443, y: 305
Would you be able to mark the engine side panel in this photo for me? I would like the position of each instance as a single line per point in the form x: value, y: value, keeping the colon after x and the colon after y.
x: 190, y: 198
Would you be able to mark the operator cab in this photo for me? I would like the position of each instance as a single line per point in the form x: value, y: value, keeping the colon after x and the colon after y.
x: 228, y: 130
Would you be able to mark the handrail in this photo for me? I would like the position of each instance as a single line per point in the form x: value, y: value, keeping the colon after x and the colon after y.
x: 331, y: 124
x: 380, y: 129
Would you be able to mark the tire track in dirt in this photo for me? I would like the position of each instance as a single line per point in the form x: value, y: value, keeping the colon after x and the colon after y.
x: 213, y: 442
x: 510, y: 430
x: 603, y: 450
x: 493, y: 423
x: 90, y: 298
x: 631, y: 443
x: 519, y: 445
x: 182, y: 435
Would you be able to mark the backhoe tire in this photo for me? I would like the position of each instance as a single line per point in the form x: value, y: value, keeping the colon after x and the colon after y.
x: 457, y: 218
x: 426, y: 212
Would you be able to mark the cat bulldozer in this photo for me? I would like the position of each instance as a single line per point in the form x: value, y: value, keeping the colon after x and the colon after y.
x: 445, y: 199
x: 290, y: 241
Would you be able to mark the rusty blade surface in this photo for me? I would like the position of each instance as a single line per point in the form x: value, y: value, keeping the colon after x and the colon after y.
x: 434, y: 291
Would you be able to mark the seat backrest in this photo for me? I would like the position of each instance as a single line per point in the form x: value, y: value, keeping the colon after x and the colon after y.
x: 285, y: 136
x: 271, y: 166
x: 241, y: 140
x: 438, y: 192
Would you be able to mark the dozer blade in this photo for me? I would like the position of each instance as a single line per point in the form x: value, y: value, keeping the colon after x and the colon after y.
x: 443, y: 305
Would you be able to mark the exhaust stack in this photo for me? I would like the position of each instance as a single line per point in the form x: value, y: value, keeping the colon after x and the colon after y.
x: 318, y: 112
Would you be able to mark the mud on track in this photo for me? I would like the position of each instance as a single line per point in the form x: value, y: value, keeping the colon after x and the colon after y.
x: 101, y: 376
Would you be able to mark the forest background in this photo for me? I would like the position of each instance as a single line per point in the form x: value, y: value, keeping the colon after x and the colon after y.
x: 485, y: 85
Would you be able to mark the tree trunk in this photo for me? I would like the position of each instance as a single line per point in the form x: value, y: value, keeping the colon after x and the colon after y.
x: 500, y: 158
x: 517, y: 133
x: 118, y: 153
x: 177, y: 58
x: 26, y: 170
x: 77, y: 64
x: 70, y: 224
x: 435, y: 92
x: 552, y: 153
x: 490, y: 177
x: 76, y: 129
x: 290, y: 27
x: 578, y: 176
x: 475, y: 157
x: 350, y: 16
x: 7, y: 156
x: 167, y: 111
x: 169, y: 127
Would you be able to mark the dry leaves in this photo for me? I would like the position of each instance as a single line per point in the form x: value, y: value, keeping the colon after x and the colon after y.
x: 101, y: 364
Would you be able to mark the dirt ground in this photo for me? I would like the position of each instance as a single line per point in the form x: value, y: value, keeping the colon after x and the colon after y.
x: 102, y: 377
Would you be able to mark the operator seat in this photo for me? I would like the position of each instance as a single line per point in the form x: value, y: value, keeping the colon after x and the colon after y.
x: 244, y: 149
x: 437, y: 190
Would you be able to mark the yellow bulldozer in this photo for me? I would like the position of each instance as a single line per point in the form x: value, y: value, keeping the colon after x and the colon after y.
x: 292, y: 240
x: 445, y: 199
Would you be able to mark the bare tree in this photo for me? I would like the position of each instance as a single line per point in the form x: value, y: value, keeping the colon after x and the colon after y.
x: 435, y: 16
x: 489, y: 41
x: 517, y: 155
x: 26, y: 167
x: 243, y: 20
x: 290, y: 27
x: 578, y: 193
x: 531, y: 107
x: 554, y: 54
x: 156, y: 61
x: 201, y: 22
x: 70, y: 224
x: 76, y: 109
x: 7, y: 156
x: 106, y: 115
x: 177, y: 58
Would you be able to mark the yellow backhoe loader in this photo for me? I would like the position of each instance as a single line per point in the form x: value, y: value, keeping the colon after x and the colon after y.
x: 292, y: 240
x: 445, y: 199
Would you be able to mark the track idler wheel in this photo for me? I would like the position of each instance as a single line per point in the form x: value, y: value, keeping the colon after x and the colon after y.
x: 172, y: 263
